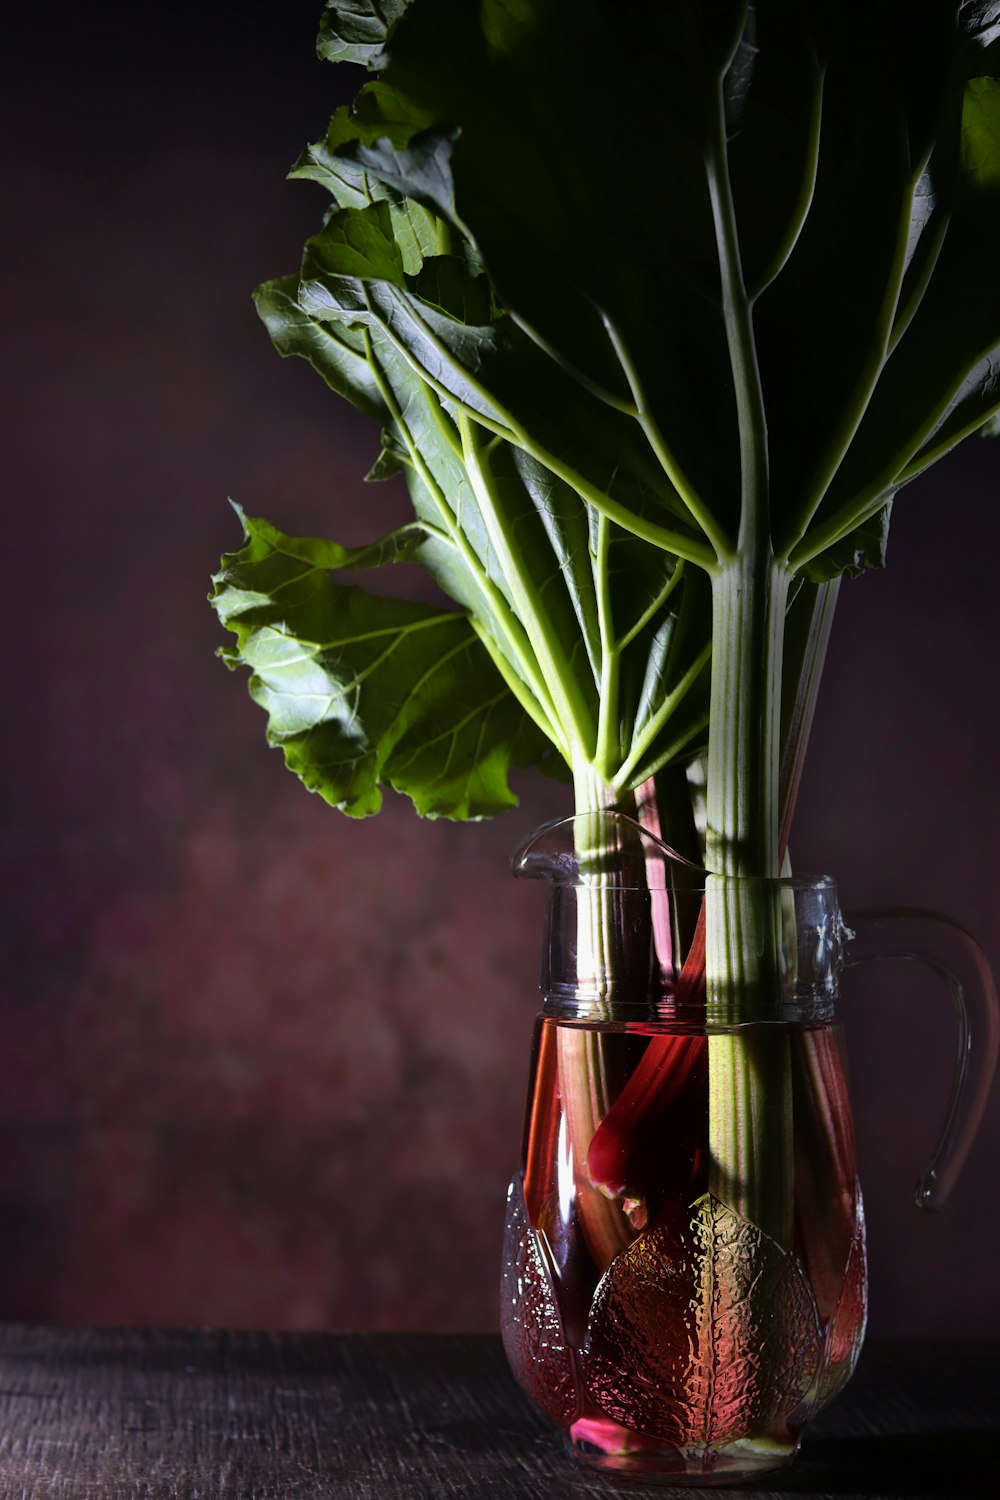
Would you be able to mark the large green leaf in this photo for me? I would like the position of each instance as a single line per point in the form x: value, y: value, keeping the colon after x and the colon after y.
x: 491, y: 367
x: 534, y: 538
x: 583, y: 200
x: 527, y: 562
x: 535, y: 282
x: 940, y: 380
x: 335, y: 351
x: 356, y: 30
x: 363, y: 691
x: 841, y: 164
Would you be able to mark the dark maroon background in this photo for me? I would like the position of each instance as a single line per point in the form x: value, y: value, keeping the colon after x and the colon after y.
x: 260, y: 1064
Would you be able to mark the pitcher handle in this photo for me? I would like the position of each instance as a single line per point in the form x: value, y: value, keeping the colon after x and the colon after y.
x: 903, y: 932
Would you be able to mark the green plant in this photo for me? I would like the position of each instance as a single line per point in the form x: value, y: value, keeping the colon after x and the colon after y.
x: 658, y: 306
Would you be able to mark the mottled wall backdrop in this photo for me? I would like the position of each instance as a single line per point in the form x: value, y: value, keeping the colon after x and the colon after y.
x: 260, y: 1064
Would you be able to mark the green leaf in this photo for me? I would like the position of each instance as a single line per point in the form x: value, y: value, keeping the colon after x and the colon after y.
x: 580, y: 312
x: 820, y: 324
x: 359, y: 244
x: 981, y: 135
x: 863, y: 547
x: 391, y: 460
x: 496, y: 372
x: 266, y: 553
x: 773, y: 101
x: 335, y: 351
x: 566, y: 524
x: 940, y: 382
x: 378, y: 113
x: 364, y: 691
x: 822, y: 140
x: 356, y: 31
x: 418, y: 167
x: 586, y: 196
x: 445, y: 284
x: 976, y: 396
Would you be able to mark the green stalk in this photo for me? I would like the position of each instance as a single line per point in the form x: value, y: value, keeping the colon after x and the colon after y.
x: 664, y: 808
x: 807, y: 635
x: 750, y: 1136
x: 572, y: 710
x: 750, y: 1161
x: 584, y: 1084
x: 749, y: 601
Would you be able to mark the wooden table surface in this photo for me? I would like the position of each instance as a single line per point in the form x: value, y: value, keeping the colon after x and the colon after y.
x: 143, y: 1413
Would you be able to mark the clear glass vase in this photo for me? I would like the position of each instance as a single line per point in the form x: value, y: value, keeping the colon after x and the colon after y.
x: 684, y: 1279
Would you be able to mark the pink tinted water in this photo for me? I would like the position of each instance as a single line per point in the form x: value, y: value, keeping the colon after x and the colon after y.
x: 658, y: 1328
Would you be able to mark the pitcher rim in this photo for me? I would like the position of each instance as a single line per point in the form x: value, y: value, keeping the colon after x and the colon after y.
x: 527, y: 862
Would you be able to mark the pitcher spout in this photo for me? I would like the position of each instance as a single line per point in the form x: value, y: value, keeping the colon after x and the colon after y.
x: 605, y: 848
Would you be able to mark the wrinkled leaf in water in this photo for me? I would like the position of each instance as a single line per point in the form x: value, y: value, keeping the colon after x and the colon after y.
x: 702, y: 1332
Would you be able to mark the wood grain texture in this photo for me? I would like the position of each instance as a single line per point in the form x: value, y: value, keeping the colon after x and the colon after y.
x: 134, y: 1414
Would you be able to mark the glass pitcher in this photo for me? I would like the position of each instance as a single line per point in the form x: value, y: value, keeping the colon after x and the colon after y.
x: 684, y: 1278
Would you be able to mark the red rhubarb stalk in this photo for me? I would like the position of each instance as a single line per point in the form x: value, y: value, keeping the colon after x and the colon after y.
x: 663, y: 1069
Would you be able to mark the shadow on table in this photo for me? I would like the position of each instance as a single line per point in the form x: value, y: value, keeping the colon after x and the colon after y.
x: 919, y: 1464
